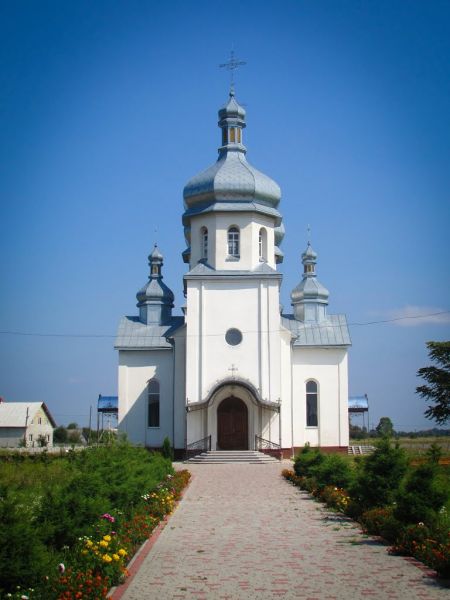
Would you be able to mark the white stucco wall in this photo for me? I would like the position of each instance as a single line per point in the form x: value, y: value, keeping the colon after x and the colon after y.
x: 39, y: 425
x: 136, y: 369
x: 252, y: 307
x: 328, y: 367
x: 218, y: 224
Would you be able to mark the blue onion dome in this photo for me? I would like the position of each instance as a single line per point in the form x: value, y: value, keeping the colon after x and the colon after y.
x: 155, y: 291
x: 309, y: 289
x: 232, y: 179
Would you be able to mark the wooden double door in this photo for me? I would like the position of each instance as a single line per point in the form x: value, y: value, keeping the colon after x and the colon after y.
x: 232, y: 424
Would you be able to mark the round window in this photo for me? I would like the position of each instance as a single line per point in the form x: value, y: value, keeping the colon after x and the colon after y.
x: 233, y: 337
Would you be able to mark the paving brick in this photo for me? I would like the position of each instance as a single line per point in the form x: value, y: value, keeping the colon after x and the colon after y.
x: 243, y: 533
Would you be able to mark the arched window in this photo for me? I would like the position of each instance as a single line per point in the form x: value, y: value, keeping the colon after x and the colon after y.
x: 153, y: 403
x: 262, y: 244
x: 233, y: 242
x: 311, y: 404
x: 204, y: 243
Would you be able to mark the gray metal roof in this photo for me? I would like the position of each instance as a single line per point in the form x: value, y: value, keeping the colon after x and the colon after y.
x: 331, y: 332
x: 14, y: 414
x: 237, y: 205
x: 231, y: 178
x: 135, y: 335
x: 203, y: 271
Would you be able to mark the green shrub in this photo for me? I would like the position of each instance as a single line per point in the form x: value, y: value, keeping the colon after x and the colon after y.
x: 332, y: 470
x: 378, y: 476
x: 167, y: 451
x: 23, y: 556
x: 306, y: 460
x: 382, y: 522
x: 47, y: 503
x: 422, y: 495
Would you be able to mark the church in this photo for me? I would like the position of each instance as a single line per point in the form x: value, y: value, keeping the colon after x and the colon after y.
x: 234, y: 372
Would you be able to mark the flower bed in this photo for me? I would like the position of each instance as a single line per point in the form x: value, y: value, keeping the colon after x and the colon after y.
x: 70, y: 524
x: 99, y: 561
x: 393, y: 512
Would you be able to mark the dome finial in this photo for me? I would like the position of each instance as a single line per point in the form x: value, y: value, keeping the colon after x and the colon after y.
x: 309, y: 298
x: 231, y: 66
x: 155, y: 299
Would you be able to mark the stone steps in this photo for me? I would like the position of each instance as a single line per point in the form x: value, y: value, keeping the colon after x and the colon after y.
x: 358, y: 450
x: 231, y: 456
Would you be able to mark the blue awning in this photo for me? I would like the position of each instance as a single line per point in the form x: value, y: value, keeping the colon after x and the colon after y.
x: 358, y: 404
x: 108, y: 404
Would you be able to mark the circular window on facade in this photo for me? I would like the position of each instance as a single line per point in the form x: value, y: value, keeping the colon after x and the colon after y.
x: 233, y: 337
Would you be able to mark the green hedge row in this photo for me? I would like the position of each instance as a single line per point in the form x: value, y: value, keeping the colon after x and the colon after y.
x: 47, y: 504
x: 406, y: 505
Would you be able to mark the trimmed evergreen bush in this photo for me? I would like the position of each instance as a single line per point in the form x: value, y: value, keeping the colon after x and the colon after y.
x: 423, y: 494
x: 332, y: 470
x: 306, y: 460
x: 379, y: 476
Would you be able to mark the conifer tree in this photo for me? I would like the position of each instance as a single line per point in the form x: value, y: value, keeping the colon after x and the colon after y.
x: 438, y: 380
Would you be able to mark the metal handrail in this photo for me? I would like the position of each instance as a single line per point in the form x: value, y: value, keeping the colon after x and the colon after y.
x: 195, y: 448
x: 262, y: 444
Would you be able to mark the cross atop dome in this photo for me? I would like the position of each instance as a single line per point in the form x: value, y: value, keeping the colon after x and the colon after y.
x: 231, y: 66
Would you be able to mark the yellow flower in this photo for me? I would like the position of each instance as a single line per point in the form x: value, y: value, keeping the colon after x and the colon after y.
x: 103, y: 544
x: 84, y: 552
x: 89, y: 543
x: 116, y: 557
x: 106, y: 558
x: 122, y: 552
x: 107, y: 538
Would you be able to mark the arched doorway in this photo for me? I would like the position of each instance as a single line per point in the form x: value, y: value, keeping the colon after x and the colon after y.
x: 232, y: 424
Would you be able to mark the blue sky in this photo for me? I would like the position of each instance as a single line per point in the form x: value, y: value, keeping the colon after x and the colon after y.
x: 108, y: 108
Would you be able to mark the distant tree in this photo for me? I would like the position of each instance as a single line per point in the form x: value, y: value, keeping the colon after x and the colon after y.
x: 385, y: 428
x: 72, y: 426
x: 60, y: 435
x: 88, y: 434
x: 438, y: 378
x: 74, y: 436
x: 357, y: 433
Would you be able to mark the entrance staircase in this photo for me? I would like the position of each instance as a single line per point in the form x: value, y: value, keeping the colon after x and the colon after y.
x: 358, y: 450
x: 215, y: 457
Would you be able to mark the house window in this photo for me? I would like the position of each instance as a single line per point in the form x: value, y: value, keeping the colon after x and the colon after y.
x: 204, y: 242
x: 48, y: 437
x: 153, y: 403
x: 311, y: 404
x: 233, y: 242
x: 39, y: 420
x: 30, y: 437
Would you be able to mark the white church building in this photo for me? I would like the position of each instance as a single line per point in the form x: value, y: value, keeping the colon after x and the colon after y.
x: 234, y: 372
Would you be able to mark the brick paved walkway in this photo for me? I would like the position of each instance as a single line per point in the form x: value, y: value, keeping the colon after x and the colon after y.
x: 242, y: 532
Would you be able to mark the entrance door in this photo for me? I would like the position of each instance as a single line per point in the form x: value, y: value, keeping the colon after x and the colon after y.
x: 232, y: 425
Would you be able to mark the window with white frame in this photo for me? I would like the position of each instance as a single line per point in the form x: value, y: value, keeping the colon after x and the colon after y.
x: 204, y: 243
x: 233, y: 242
x: 262, y: 241
x: 311, y: 404
x: 153, y: 403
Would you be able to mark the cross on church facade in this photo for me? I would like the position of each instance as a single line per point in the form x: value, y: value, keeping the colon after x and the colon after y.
x: 232, y: 65
x: 233, y: 369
